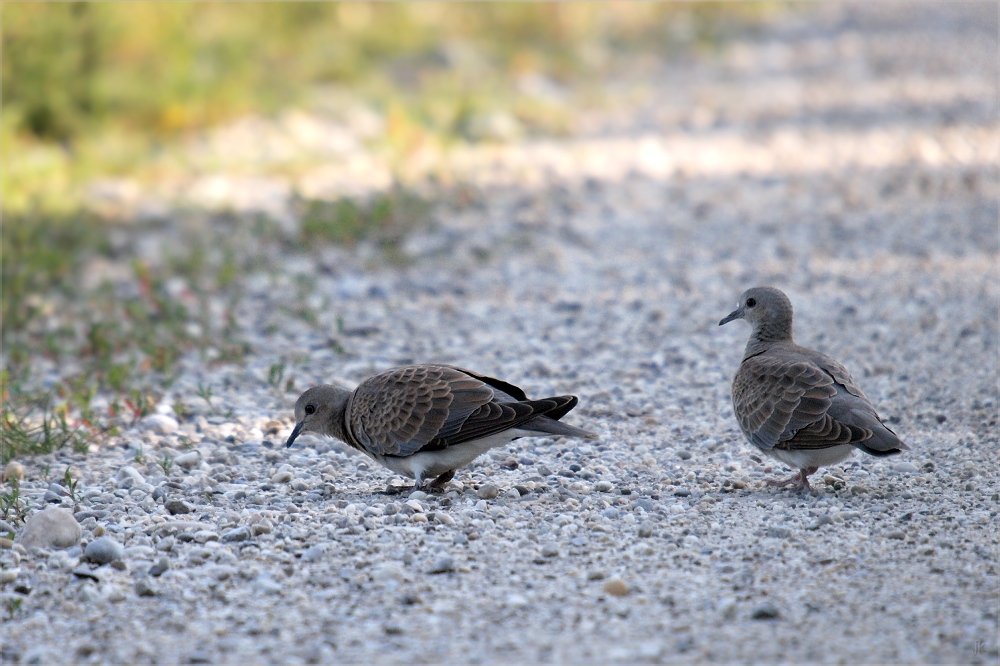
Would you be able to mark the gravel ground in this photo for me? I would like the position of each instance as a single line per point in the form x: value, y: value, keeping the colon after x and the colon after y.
x: 847, y: 156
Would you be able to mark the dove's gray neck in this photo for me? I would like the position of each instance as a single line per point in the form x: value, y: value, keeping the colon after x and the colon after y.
x: 768, y: 334
x: 336, y: 425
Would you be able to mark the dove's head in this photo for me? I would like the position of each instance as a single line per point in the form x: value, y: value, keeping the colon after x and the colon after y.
x: 321, y: 409
x: 767, y: 310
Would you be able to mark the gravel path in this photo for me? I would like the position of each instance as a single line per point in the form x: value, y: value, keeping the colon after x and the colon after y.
x: 847, y: 156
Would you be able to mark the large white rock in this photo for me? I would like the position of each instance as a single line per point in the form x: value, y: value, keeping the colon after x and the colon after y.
x: 188, y: 460
x: 161, y: 424
x: 129, y: 472
x: 50, y: 528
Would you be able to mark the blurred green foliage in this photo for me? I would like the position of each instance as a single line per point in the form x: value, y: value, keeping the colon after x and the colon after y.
x: 384, y: 219
x: 93, y: 88
x: 164, y: 66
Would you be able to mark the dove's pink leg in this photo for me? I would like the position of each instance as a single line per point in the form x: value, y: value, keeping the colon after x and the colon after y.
x: 799, y: 480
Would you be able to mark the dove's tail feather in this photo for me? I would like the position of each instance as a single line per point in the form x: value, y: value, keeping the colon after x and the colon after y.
x: 883, y: 442
x: 549, y: 426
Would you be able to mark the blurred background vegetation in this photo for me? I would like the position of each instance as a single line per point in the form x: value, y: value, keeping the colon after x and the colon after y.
x: 95, y: 88
x: 111, y: 89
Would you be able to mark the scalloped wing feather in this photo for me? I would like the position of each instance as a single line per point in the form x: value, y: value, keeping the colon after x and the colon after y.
x: 774, y: 398
x: 400, y: 411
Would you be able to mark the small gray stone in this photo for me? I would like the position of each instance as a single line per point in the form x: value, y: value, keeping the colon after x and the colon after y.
x: 188, y: 460
x: 819, y: 522
x: 269, y: 586
x: 177, y: 506
x: 84, y: 571
x: 766, y: 611
x: 261, y: 528
x: 98, y: 514
x: 550, y: 550
x: 139, y: 553
x: 50, y: 528
x: 443, y: 518
x: 604, y: 486
x: 161, y: 424
x: 104, y: 550
x: 241, y: 533
x: 199, y: 555
x: 644, y: 503
x: 646, y: 529
x: 129, y: 472
x: 57, y: 489
x: 144, y: 588
x: 204, y: 536
x: 166, y: 543
x: 905, y: 468
x: 896, y: 534
x: 160, y: 567
x: 487, y: 491
x: 284, y: 476
x: 313, y: 553
x: 778, y: 532
x: 517, y: 601
x: 442, y: 565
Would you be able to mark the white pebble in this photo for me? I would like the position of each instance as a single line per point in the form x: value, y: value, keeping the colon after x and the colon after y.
x: 161, y: 424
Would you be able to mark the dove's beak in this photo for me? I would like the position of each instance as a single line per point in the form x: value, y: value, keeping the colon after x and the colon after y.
x: 295, y: 433
x: 735, y: 314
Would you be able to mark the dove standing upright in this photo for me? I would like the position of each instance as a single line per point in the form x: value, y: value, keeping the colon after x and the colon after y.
x: 796, y: 404
x: 425, y: 421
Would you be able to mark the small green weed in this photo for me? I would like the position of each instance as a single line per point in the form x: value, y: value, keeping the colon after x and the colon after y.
x: 181, y: 410
x: 12, y: 507
x: 384, y: 219
x: 275, y: 374
x: 69, y: 483
x: 205, y: 393
x: 13, y: 605
x: 26, y: 434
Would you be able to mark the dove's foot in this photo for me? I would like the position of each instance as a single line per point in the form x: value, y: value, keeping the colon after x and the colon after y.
x: 799, y: 480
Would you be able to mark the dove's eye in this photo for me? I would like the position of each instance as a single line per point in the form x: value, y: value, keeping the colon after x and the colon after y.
x: 310, y: 409
x: 751, y: 302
